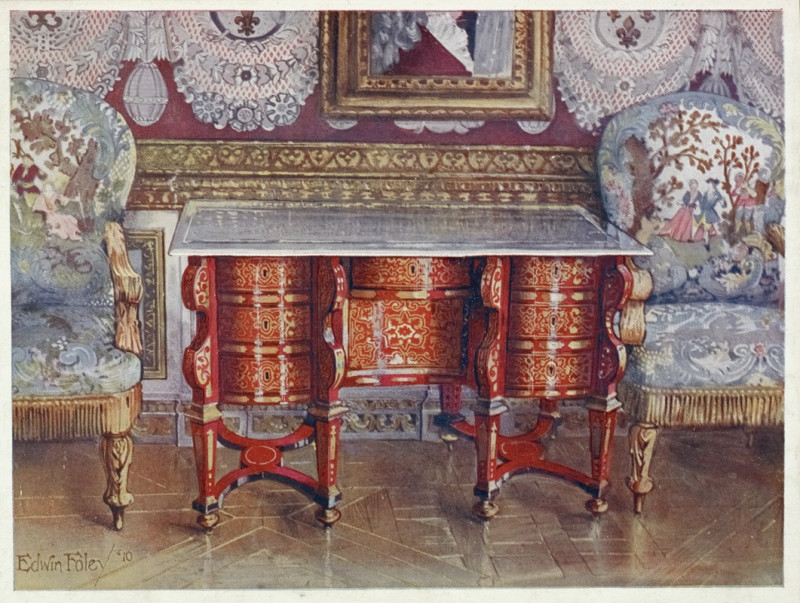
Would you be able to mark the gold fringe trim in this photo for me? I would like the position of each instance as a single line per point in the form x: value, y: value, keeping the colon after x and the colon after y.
x: 56, y: 418
x: 718, y: 407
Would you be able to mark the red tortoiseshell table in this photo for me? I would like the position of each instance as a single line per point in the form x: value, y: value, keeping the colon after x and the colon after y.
x: 294, y: 301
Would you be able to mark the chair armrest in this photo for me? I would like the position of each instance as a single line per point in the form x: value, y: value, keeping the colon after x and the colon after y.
x: 632, y: 329
x: 775, y: 234
x: 127, y: 290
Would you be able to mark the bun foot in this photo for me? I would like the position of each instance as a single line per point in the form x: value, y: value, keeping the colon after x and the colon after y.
x: 596, y: 506
x: 207, y: 521
x: 449, y: 439
x: 485, y: 509
x: 328, y: 517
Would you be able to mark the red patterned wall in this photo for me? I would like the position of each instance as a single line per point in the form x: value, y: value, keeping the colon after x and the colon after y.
x: 178, y: 122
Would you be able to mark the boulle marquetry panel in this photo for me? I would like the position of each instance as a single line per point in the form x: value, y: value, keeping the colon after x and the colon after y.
x: 553, y: 326
x: 407, y: 319
x: 264, y: 330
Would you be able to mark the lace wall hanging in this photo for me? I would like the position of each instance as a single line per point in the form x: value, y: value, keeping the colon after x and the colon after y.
x: 245, y: 69
x: 82, y: 49
x: 255, y: 69
x: 606, y: 61
x: 242, y: 69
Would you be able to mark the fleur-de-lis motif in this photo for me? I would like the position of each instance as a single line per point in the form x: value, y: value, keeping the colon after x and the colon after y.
x: 628, y: 34
x: 247, y: 22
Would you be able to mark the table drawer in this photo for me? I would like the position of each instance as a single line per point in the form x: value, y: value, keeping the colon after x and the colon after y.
x: 555, y: 273
x: 261, y: 275
x: 410, y: 273
x: 562, y: 373
x: 268, y: 324
x: 552, y: 321
x: 270, y: 379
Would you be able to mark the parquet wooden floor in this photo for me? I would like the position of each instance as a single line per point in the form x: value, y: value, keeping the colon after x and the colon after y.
x: 716, y: 518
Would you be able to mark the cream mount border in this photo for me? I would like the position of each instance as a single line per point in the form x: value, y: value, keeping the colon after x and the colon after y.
x: 169, y: 172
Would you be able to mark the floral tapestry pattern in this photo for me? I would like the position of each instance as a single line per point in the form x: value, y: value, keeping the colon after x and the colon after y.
x: 695, y: 345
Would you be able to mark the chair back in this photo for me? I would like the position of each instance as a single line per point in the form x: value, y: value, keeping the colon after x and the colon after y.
x: 699, y: 179
x: 72, y: 165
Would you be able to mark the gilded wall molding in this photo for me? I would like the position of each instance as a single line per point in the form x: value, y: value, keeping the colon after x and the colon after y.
x: 170, y: 172
x: 152, y: 308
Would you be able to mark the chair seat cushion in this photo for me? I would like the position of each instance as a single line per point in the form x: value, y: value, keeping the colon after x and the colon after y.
x: 709, y: 345
x: 67, y: 351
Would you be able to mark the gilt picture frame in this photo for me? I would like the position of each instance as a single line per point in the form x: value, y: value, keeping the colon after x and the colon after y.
x: 352, y: 86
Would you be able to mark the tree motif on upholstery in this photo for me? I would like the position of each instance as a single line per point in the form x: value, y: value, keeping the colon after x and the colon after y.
x: 678, y: 135
x: 740, y: 166
x: 49, y: 152
x: 720, y: 205
x: 676, y: 139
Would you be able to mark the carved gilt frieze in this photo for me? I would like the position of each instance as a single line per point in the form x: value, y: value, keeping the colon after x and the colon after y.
x: 170, y: 172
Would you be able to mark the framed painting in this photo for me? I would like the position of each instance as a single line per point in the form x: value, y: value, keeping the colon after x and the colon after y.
x: 437, y: 64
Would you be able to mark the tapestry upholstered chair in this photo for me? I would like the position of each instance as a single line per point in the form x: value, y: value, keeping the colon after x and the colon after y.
x: 75, y: 362
x: 699, y: 179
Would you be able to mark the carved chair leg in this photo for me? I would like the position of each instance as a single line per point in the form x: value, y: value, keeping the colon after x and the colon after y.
x: 642, y: 442
x: 116, y: 453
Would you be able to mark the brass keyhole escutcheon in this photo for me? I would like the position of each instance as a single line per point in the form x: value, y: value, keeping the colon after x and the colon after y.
x: 267, y: 375
x: 264, y: 273
x: 553, y: 321
x: 412, y: 269
x: 266, y: 324
x: 551, y: 369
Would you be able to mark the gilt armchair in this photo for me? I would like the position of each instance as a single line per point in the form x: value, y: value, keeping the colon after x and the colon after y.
x: 699, y: 179
x: 75, y: 362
